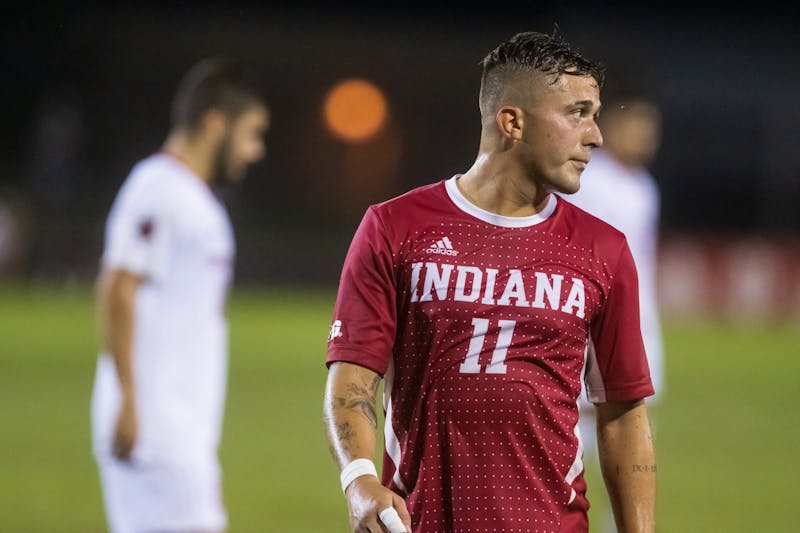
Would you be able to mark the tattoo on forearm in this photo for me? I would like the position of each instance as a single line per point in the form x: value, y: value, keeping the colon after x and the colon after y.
x: 361, y: 398
x: 366, y: 407
x: 645, y: 468
x: 345, y: 433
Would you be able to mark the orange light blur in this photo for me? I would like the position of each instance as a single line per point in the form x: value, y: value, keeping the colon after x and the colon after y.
x: 355, y: 110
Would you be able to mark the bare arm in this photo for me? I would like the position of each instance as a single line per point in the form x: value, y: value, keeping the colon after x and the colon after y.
x: 116, y: 297
x: 628, y: 463
x: 350, y: 415
x: 351, y: 422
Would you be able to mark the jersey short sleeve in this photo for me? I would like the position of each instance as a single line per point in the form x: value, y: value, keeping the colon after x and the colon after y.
x: 138, y: 232
x: 616, y: 366
x: 364, y: 321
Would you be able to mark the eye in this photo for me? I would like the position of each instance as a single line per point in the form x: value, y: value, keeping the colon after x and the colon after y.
x: 581, y: 112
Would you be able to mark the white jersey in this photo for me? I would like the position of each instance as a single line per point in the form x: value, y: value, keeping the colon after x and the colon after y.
x: 167, y: 226
x: 630, y: 201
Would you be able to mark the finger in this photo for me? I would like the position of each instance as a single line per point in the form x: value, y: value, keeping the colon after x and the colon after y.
x: 400, y: 506
x: 392, y: 520
x: 371, y: 526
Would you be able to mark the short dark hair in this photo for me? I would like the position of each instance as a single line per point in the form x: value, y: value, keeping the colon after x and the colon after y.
x: 212, y: 83
x: 533, y: 51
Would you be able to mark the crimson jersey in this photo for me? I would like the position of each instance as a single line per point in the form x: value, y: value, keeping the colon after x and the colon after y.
x: 482, y: 326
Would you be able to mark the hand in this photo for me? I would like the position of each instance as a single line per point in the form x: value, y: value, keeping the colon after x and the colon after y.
x: 366, y: 498
x: 126, y: 430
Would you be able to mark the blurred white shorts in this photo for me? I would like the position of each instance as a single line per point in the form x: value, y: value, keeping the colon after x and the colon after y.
x: 163, y: 498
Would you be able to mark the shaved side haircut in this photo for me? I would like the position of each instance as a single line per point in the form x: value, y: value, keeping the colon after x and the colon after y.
x: 526, y: 55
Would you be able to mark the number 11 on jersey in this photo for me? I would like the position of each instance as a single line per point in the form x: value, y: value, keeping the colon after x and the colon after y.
x: 497, y: 365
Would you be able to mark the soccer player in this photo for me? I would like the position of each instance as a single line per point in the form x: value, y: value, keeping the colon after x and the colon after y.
x: 479, y: 300
x: 160, y: 383
x: 618, y: 188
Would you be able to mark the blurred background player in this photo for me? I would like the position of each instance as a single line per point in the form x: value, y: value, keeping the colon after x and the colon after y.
x: 160, y: 384
x: 618, y: 188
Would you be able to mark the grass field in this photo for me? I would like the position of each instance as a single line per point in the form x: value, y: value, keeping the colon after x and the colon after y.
x: 728, y: 430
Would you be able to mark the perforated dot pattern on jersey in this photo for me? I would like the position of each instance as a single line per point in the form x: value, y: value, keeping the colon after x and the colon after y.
x: 492, y: 325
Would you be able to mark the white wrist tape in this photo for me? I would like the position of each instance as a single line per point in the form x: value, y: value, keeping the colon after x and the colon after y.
x: 356, y: 468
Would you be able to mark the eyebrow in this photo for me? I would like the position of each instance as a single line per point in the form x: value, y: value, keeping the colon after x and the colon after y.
x: 586, y: 103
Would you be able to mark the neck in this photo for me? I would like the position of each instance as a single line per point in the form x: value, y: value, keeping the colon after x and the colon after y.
x: 192, y: 152
x: 497, y: 185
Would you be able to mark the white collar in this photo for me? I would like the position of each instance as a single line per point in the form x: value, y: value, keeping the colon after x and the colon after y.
x: 493, y: 218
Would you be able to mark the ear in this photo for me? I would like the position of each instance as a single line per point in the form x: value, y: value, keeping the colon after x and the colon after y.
x: 215, y: 123
x: 510, y: 122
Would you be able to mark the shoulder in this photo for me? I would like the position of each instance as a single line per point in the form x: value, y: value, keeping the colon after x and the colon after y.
x: 398, y: 219
x: 158, y: 180
x: 588, y: 229
x: 588, y: 222
x: 148, y: 175
x: 409, y: 205
x: 413, y: 198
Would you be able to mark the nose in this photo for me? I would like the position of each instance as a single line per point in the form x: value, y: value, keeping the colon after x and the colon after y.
x: 593, y: 137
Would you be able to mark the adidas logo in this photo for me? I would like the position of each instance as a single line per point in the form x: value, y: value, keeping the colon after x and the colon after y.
x: 443, y: 247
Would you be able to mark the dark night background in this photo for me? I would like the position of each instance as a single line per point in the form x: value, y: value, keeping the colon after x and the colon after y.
x: 86, y: 90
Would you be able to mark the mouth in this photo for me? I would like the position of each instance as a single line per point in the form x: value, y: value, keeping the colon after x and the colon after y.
x: 581, y: 163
